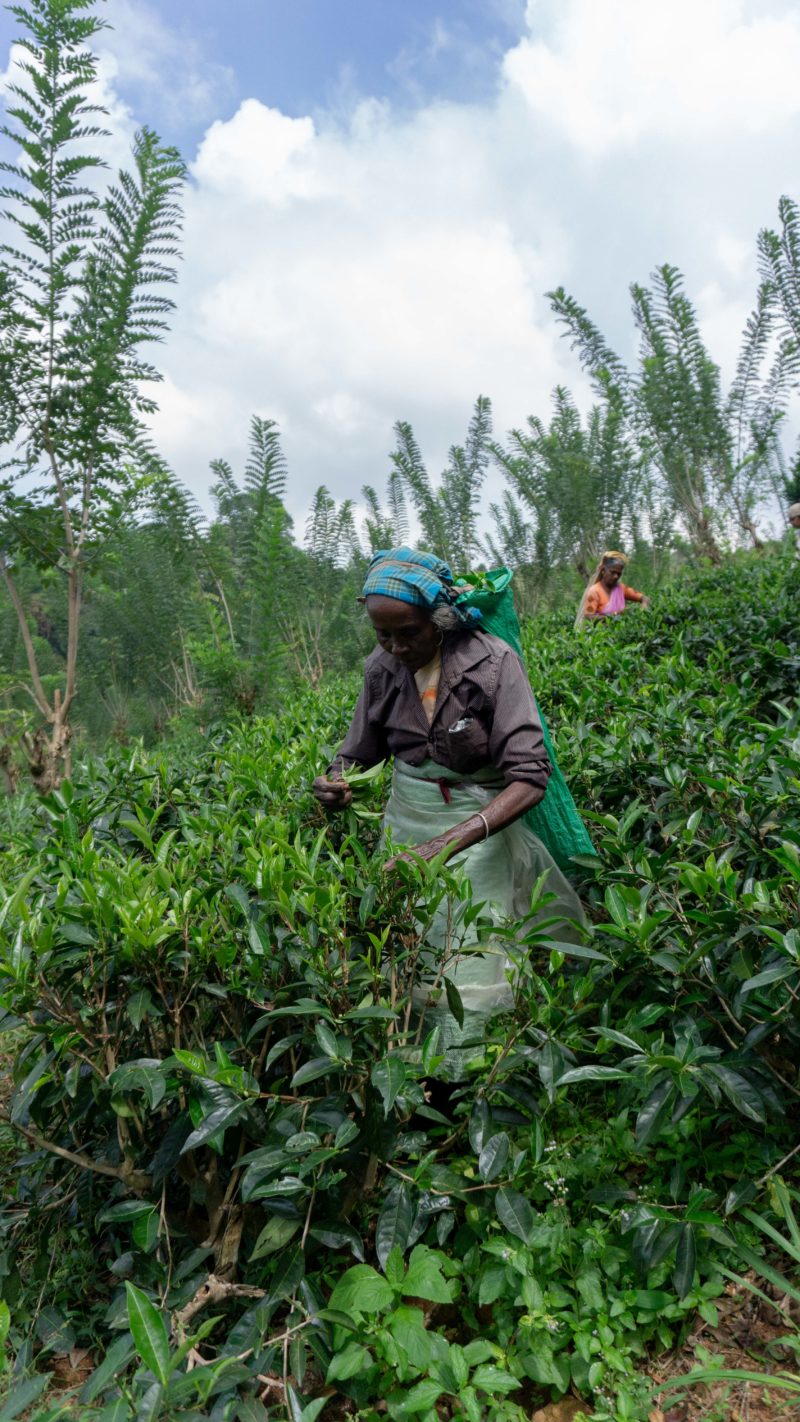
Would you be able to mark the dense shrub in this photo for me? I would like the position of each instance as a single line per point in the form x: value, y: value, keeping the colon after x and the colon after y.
x: 228, y: 1175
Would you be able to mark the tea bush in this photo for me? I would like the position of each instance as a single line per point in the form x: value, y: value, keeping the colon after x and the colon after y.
x: 231, y: 1175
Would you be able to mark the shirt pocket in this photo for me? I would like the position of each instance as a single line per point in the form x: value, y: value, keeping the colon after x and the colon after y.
x: 465, y: 743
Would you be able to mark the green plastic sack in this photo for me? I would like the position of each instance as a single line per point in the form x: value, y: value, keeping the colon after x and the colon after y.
x: 555, y: 819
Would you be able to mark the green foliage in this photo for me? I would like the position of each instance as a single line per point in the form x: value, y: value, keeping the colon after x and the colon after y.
x: 81, y: 292
x: 225, y: 1108
x: 779, y: 262
x: 704, y: 459
x: 782, y: 1379
x: 448, y: 512
x: 580, y: 484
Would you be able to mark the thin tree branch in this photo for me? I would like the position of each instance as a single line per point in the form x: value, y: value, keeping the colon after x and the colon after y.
x: 38, y: 691
x: 135, y: 1179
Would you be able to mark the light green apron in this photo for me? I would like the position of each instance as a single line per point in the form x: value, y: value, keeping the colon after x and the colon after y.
x: 502, y: 871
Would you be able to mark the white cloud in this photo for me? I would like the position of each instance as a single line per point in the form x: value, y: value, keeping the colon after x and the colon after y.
x: 351, y: 277
x: 256, y: 155
x: 614, y: 72
x: 346, y: 271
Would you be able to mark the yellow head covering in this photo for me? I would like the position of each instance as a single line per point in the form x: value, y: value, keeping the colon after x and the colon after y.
x: 610, y: 557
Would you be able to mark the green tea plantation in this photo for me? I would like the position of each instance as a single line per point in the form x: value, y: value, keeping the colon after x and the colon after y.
x: 232, y: 1188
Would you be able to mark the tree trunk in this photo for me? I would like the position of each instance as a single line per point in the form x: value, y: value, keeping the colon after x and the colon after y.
x: 48, y: 751
x: 749, y: 527
x: 701, y: 535
x: 8, y: 770
x: 48, y: 748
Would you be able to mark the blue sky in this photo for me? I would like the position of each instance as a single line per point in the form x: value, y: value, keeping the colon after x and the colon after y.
x: 381, y: 192
x: 306, y: 56
x: 302, y: 55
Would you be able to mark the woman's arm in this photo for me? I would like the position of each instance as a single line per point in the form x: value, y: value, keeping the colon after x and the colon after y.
x: 594, y: 601
x: 631, y: 595
x: 503, y: 810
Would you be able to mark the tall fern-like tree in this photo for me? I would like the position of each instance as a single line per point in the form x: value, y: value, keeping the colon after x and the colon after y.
x: 251, y: 555
x: 319, y: 629
x: 779, y: 262
x: 679, y: 406
x: 525, y: 546
x: 386, y: 527
x: 577, y: 480
x: 709, y: 453
x: 448, y: 512
x: 82, y: 281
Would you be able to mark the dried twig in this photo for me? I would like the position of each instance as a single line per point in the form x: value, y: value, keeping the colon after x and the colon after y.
x: 212, y: 1291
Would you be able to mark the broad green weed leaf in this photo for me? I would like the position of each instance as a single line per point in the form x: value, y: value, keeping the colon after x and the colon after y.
x: 488, y: 1378
x: 407, y: 1326
x: 424, y: 1278
x: 352, y: 1360
x: 361, y: 1289
x: 419, y: 1398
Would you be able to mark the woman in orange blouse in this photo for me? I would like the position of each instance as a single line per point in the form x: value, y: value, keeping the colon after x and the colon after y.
x: 607, y: 595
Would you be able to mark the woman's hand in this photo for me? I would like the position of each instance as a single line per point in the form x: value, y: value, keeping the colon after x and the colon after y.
x: 332, y: 794
x: 428, y: 850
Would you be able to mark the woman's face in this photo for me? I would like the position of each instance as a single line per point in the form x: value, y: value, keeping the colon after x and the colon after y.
x: 404, y: 631
x: 611, y: 574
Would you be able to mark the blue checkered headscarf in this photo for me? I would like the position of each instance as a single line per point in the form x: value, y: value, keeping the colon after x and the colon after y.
x: 419, y: 578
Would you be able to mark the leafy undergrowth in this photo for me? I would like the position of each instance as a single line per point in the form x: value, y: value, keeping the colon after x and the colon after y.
x: 235, y: 1188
